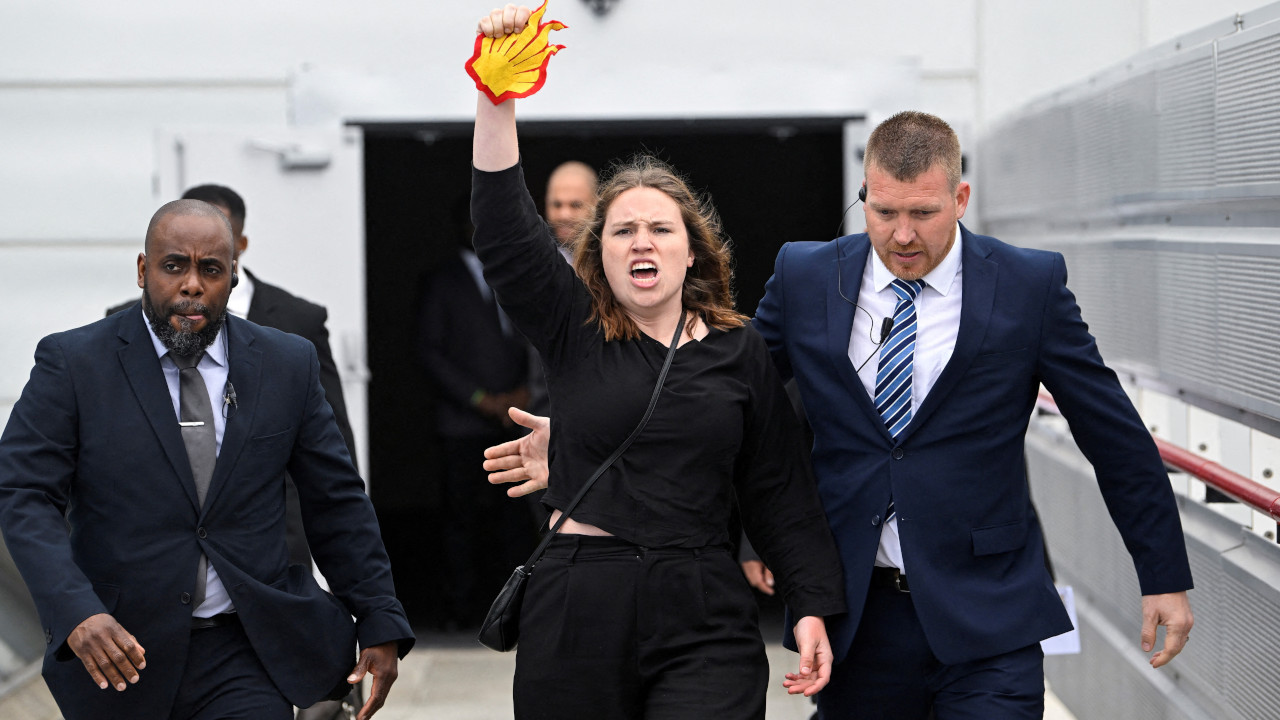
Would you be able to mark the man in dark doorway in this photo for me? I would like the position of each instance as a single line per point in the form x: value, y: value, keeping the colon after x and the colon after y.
x: 571, y: 198
x: 480, y: 366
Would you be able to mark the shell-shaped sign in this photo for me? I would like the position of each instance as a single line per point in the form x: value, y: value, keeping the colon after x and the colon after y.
x: 514, y: 66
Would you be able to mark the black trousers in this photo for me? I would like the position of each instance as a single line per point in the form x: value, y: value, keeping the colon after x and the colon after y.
x: 224, y: 680
x: 613, y: 631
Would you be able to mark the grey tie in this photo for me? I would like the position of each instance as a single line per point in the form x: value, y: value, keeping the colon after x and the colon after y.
x: 200, y: 436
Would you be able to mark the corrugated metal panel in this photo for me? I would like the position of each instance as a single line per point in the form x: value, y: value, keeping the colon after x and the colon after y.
x: 1056, y: 178
x: 1133, y: 271
x: 1248, y: 107
x: 1252, y: 636
x: 1202, y: 318
x: 1033, y: 168
x: 1133, y: 140
x: 1095, y: 180
x: 1185, y: 123
x: 1102, y: 299
x: 1249, y: 325
x: 1191, y: 140
x: 1203, y: 665
x: 1186, y: 308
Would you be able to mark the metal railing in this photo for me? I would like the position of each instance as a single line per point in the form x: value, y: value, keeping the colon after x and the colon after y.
x: 1236, y: 486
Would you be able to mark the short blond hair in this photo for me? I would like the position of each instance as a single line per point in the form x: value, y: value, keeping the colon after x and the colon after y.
x: 911, y: 143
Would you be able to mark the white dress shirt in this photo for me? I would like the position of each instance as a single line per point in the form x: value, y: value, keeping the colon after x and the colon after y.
x: 214, y: 369
x: 937, y: 325
x: 242, y: 296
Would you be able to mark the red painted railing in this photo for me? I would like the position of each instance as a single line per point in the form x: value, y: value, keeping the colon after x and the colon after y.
x: 1256, y: 495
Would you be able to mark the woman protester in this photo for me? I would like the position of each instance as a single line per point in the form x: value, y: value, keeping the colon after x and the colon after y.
x: 638, y: 609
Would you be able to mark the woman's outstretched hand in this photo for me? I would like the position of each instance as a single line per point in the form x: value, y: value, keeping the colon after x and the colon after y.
x: 523, y: 460
x: 815, y: 657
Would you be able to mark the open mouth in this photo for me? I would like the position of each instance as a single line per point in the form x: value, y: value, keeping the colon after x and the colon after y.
x: 644, y: 271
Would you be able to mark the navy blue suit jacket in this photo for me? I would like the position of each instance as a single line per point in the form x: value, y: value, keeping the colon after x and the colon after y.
x: 970, y: 539
x: 94, y: 438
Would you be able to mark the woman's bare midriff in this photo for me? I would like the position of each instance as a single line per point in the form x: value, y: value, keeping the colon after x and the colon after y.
x: 573, y: 527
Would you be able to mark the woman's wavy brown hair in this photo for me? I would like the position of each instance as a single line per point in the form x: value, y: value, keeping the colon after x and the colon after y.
x: 707, y: 285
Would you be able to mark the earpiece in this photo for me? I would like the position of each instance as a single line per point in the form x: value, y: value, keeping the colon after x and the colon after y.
x: 235, y: 275
x: 862, y: 197
x: 886, y: 325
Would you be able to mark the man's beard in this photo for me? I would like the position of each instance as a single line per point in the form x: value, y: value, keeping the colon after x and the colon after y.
x: 185, y: 342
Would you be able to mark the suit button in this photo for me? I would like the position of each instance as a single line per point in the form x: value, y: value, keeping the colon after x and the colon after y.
x: 48, y: 636
x: 185, y: 598
x: 202, y: 533
x: 875, y: 520
x: 898, y: 453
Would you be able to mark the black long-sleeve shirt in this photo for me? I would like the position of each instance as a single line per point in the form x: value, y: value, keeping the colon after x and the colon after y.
x: 722, y: 425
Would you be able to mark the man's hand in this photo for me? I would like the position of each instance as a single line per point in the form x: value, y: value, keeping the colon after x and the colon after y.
x: 523, y: 460
x: 1173, y: 610
x: 516, y: 398
x: 382, y: 662
x: 758, y: 576
x: 108, y: 651
x: 815, y: 657
x: 491, y: 405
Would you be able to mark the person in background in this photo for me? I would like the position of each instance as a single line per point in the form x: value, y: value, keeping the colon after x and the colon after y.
x: 570, y: 201
x: 571, y: 198
x: 480, y: 365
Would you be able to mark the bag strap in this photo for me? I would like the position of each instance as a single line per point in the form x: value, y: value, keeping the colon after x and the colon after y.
x: 653, y: 401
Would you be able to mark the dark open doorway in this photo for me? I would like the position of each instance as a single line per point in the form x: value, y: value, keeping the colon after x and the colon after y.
x: 773, y: 180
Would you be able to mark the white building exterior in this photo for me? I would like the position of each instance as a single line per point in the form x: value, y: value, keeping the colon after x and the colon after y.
x: 109, y: 109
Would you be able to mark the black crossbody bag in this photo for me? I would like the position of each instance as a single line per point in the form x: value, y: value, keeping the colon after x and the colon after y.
x: 501, y: 627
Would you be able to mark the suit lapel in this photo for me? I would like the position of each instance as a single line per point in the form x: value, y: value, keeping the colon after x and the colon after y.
x: 842, y: 293
x: 262, y: 306
x: 141, y: 366
x: 245, y: 376
x: 979, y: 287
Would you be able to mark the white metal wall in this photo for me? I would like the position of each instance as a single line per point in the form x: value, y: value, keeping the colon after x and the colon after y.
x: 84, y: 86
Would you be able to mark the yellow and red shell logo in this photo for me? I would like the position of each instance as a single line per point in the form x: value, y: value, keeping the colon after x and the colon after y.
x: 514, y: 66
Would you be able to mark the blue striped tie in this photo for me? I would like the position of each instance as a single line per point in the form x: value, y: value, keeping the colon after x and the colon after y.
x: 897, y: 359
